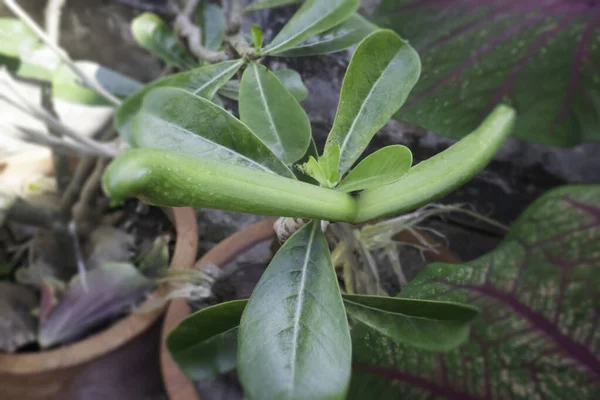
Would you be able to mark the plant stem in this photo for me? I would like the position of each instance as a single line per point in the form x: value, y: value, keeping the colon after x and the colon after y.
x: 19, y: 12
x: 71, y: 193
x: 186, y: 28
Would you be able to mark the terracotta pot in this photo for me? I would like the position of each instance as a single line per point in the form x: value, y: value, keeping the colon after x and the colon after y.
x: 114, y: 364
x: 177, y: 385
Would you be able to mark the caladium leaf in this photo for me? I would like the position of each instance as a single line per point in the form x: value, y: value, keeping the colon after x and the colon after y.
x: 210, y: 18
x: 111, y: 289
x: 205, y: 343
x: 175, y: 120
x: 314, y: 17
x: 262, y: 4
x: 153, y: 34
x: 338, y: 38
x: 381, y: 74
x: 537, y: 334
x: 67, y: 86
x: 273, y: 114
x: 540, y: 57
x: 294, y: 341
x: 288, y: 77
x: 424, y: 324
x: 381, y: 168
x: 202, y: 82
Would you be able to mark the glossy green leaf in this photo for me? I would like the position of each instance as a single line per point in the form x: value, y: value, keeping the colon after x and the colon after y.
x: 175, y: 120
x: 22, y: 52
x: 273, y: 114
x: 153, y: 34
x: 536, y: 336
x: 262, y: 4
x: 210, y: 18
x: 540, y: 58
x: 257, y: 37
x: 424, y: 324
x: 338, y: 38
x: 288, y: 77
x: 431, y: 179
x: 172, y: 179
x: 202, y: 82
x: 381, y: 168
x: 314, y: 17
x: 294, y: 340
x: 204, y: 344
x: 381, y: 74
x: 66, y: 85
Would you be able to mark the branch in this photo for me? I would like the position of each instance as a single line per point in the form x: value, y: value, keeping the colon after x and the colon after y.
x: 186, y: 29
x: 15, y: 8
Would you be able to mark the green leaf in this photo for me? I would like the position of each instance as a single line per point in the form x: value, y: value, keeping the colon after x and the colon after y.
x: 381, y: 168
x: 540, y: 60
x: 66, y: 85
x: 204, y: 344
x: 15, y: 37
x: 314, y: 17
x: 313, y: 169
x: 257, y: 37
x: 210, y: 17
x: 294, y: 340
x: 262, y: 4
x: 381, y: 74
x: 431, y: 179
x: 424, y: 324
x: 22, y: 52
x: 292, y: 82
x: 175, y: 120
x: 288, y: 77
x: 202, y: 82
x: 273, y: 114
x: 153, y: 34
x: 338, y: 38
x: 329, y: 162
x: 536, y: 336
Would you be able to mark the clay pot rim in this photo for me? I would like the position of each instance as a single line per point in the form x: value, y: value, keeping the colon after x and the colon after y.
x: 177, y: 385
x: 122, y: 331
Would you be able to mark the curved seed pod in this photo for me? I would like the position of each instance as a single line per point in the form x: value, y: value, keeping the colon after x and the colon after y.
x: 433, y: 178
x: 170, y: 179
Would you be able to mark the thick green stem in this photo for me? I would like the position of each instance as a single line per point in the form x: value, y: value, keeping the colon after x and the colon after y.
x: 433, y: 178
x: 171, y: 179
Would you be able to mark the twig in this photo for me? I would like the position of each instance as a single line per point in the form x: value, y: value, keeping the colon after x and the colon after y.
x: 15, y: 8
x: 71, y: 193
x: 78, y: 255
x: 241, y: 46
x: 186, y: 29
x: 84, y: 206
x: 53, y: 14
x: 234, y: 11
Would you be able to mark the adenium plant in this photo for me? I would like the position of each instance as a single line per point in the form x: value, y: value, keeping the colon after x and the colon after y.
x: 291, y: 339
